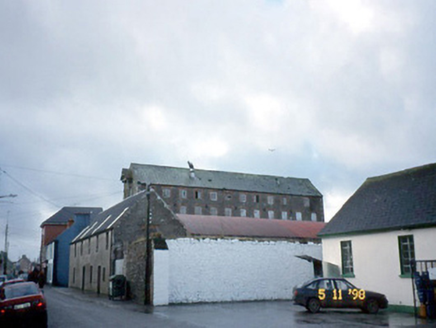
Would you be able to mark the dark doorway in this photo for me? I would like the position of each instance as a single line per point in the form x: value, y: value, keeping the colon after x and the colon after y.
x: 98, y: 279
x: 83, y: 278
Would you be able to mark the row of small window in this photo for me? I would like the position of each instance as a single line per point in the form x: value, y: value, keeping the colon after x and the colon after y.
x: 406, y: 250
x: 213, y: 196
x: 101, y: 270
x: 89, y: 245
x: 198, y: 210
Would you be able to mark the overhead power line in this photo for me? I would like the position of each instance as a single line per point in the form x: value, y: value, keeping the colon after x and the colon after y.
x: 59, y: 173
x: 28, y: 189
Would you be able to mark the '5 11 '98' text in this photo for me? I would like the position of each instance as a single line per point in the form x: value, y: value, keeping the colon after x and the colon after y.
x: 337, y: 294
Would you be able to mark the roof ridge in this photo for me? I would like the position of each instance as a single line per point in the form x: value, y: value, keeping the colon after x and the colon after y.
x: 402, y: 172
x: 217, y: 171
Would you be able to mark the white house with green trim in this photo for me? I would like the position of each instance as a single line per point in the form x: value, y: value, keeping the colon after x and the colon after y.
x: 389, y: 221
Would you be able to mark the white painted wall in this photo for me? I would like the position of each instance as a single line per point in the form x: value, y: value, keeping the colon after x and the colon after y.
x: 210, y: 270
x: 377, y: 261
x: 49, y: 255
x: 161, y: 277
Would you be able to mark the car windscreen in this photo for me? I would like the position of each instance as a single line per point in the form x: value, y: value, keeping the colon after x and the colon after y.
x: 20, y: 290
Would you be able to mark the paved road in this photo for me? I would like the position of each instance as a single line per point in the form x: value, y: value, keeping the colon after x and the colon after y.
x: 71, y: 308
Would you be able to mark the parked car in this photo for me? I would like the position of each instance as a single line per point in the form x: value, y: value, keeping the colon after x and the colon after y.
x: 3, y: 278
x: 337, y: 293
x: 22, y: 304
x: 12, y: 281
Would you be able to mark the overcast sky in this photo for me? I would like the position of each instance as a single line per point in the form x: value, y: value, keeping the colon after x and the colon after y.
x: 333, y: 91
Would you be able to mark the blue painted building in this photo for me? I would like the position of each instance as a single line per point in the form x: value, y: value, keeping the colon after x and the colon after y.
x: 58, y: 251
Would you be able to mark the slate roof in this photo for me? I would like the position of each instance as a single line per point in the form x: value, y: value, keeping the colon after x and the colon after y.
x: 174, y: 176
x: 106, y: 219
x: 401, y: 200
x: 67, y: 213
x: 220, y: 226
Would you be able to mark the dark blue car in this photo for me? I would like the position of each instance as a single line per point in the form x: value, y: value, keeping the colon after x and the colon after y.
x: 337, y: 293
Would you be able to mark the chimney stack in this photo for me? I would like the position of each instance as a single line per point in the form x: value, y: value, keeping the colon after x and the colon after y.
x: 191, y: 170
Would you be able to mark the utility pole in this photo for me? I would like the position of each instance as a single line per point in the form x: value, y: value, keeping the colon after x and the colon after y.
x: 148, y: 252
x: 5, y: 254
x: 5, y: 261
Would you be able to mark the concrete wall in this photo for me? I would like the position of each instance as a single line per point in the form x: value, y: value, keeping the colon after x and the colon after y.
x: 90, y: 265
x: 207, y: 270
x: 50, y: 253
x: 376, y: 261
x: 161, y: 281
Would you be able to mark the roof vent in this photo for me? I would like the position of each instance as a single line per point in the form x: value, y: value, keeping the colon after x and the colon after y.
x: 191, y: 170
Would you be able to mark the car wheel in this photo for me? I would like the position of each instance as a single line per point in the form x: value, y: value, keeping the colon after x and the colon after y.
x: 313, y: 305
x: 371, y: 306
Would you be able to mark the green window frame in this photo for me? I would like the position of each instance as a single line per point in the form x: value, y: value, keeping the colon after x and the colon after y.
x: 406, y: 247
x: 347, y: 258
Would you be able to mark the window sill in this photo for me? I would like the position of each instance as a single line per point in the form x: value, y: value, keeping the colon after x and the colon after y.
x: 349, y: 275
x: 406, y: 275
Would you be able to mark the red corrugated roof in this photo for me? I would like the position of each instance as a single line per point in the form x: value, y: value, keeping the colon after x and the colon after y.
x: 220, y: 226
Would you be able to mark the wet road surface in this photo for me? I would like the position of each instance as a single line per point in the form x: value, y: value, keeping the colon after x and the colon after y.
x: 72, y: 308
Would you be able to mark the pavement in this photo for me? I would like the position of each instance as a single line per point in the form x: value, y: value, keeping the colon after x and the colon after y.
x: 100, y: 299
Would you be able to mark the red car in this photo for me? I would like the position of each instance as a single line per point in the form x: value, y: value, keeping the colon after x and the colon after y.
x: 22, y: 304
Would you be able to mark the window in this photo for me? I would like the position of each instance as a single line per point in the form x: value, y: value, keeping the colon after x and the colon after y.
x: 89, y: 245
x: 327, y: 284
x: 96, y: 243
x: 166, y: 192
x: 183, y: 193
x: 90, y: 275
x: 242, y: 198
x: 197, y: 194
x: 298, y: 216
x: 256, y: 199
x: 313, y: 217
x: 75, y: 249
x: 270, y: 200
x: 243, y: 212
x: 256, y: 214
x: 213, y: 196
x: 182, y: 209
x: 104, y: 274
x: 306, y: 202
x: 74, y: 275
x: 407, y: 253
x: 229, y: 196
x: 284, y: 201
x: 284, y: 215
x: 213, y: 211
x: 340, y: 284
x: 228, y: 211
x: 313, y: 285
x: 270, y: 214
x: 347, y: 258
x: 197, y: 210
x: 81, y: 248
x: 107, y: 240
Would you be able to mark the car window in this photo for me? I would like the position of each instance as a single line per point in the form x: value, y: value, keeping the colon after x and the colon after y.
x: 313, y: 285
x: 326, y: 284
x: 20, y: 290
x: 344, y: 285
